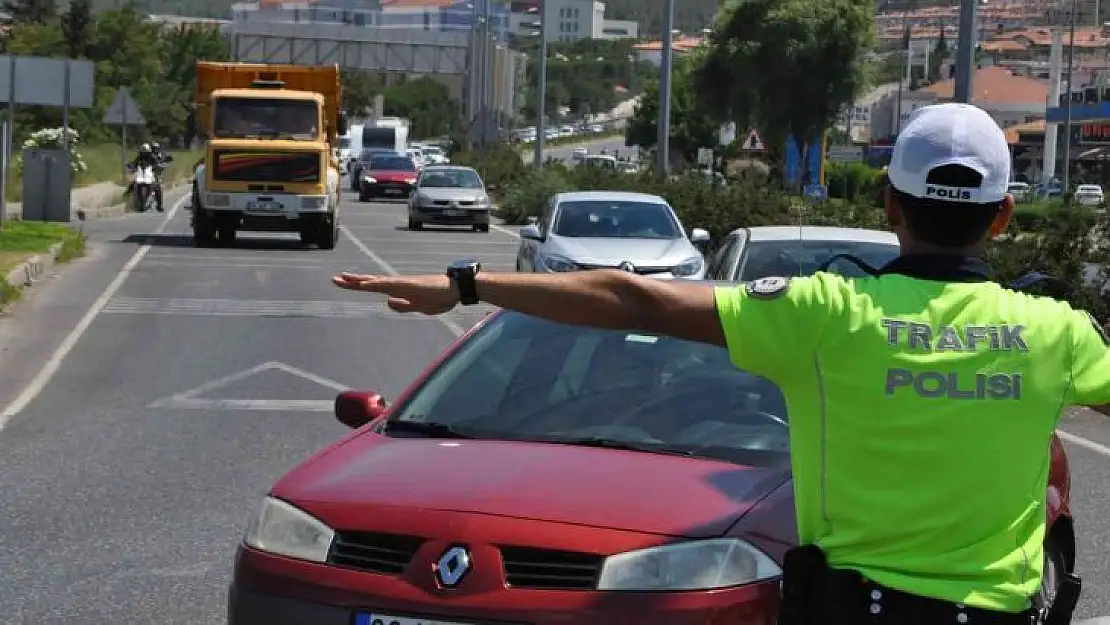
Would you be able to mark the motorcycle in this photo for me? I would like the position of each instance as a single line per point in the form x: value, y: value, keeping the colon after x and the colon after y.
x: 144, y: 180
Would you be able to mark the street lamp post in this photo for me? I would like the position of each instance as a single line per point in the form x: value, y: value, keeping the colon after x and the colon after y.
x: 541, y: 89
x: 663, y: 140
x: 902, y: 68
x: 965, y: 51
x: 1067, y: 102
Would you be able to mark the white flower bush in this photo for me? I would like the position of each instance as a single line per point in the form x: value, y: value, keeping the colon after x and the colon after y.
x: 54, y: 139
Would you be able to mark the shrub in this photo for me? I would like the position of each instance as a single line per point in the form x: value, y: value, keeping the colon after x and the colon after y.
x: 853, y: 181
x: 530, y: 193
x: 54, y: 139
x: 499, y: 165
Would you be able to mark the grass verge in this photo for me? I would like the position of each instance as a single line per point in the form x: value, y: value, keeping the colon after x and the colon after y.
x: 19, y: 240
x: 104, y: 164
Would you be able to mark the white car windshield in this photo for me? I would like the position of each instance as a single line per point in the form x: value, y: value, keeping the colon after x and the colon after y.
x: 802, y: 258
x: 618, y: 219
x: 451, y: 179
x: 523, y: 378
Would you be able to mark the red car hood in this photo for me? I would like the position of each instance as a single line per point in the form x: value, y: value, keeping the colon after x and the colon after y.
x: 388, y: 175
x: 623, y: 490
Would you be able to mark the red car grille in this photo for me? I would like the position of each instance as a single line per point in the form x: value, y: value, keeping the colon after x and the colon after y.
x: 527, y: 567
x: 387, y: 554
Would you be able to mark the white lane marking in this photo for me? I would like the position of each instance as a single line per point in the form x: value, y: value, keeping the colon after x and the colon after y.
x: 1098, y: 620
x: 369, y: 253
x: 42, y: 378
x: 191, y: 400
x: 194, y: 263
x: 326, y: 309
x: 503, y: 230
x: 435, y: 242
x: 1089, y: 445
x: 448, y: 253
x: 261, y: 258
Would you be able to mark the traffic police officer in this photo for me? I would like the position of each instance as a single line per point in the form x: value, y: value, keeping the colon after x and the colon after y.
x: 922, y: 400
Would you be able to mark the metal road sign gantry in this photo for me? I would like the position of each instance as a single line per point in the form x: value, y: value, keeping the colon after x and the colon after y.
x: 410, y: 51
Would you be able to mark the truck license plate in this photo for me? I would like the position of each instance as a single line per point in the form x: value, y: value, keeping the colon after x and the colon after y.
x: 365, y: 618
x: 264, y: 207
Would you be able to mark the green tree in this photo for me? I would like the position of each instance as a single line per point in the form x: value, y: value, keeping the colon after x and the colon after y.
x: 426, y: 103
x: 30, y: 11
x: 692, y: 127
x: 587, y: 76
x: 359, y: 89
x: 793, y: 65
x: 76, y: 27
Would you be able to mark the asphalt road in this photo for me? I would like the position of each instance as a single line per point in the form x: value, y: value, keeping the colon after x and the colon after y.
x: 564, y: 152
x: 198, y: 377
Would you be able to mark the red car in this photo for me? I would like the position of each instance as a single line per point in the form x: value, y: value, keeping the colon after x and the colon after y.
x: 547, y: 474
x: 387, y: 175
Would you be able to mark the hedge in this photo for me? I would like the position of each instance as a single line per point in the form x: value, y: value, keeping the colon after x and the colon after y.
x: 1056, y: 240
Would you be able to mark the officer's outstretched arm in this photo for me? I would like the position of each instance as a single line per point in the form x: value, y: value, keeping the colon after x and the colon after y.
x: 1091, y: 363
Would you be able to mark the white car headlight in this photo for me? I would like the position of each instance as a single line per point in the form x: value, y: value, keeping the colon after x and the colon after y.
x: 285, y: 530
x: 410, y: 180
x: 369, y: 180
x: 559, y: 264
x: 688, y: 267
x: 695, y: 565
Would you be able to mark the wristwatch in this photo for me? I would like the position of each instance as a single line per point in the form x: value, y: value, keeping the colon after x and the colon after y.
x: 462, y: 274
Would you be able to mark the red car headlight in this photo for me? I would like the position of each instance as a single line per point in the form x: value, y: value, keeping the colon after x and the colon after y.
x: 694, y: 565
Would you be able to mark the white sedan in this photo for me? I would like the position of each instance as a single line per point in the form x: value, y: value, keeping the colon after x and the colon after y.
x: 634, y: 232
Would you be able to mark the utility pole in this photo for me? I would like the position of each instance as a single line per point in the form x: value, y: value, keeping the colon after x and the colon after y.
x: 1067, y: 103
x: 663, y: 141
x: 965, y: 51
x: 902, y: 67
x: 541, y: 89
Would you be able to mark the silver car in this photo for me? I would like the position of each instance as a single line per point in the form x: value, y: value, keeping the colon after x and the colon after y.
x: 449, y: 195
x: 610, y: 229
x: 787, y: 251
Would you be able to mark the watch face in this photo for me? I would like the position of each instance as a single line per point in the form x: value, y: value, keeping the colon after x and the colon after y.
x: 463, y: 265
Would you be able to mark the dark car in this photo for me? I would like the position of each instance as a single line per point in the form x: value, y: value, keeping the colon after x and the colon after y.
x: 548, y: 474
x: 387, y: 175
x: 361, y: 162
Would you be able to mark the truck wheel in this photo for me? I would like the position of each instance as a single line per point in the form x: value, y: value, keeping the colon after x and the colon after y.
x: 226, y: 235
x: 204, y: 231
x: 328, y: 234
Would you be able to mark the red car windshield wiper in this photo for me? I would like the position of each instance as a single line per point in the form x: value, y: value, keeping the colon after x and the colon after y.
x: 429, y: 429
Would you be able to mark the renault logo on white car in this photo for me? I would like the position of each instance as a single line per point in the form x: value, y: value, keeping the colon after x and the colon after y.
x: 627, y: 266
x: 452, y: 566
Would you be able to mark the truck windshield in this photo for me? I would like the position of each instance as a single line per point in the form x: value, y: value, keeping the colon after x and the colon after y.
x: 266, y: 118
x: 379, y: 138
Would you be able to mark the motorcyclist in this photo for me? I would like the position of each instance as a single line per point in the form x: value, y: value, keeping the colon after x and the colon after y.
x: 147, y: 157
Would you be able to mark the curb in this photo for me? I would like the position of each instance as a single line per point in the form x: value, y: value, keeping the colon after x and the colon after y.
x: 34, y: 268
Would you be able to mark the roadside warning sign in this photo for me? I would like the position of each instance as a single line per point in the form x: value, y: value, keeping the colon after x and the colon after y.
x: 753, y: 143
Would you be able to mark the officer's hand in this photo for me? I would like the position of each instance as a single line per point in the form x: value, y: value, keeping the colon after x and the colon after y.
x: 431, y: 294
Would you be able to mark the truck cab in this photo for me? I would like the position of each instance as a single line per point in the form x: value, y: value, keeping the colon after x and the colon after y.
x: 269, y: 160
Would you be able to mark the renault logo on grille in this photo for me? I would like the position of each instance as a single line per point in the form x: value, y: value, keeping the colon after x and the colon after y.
x: 627, y: 266
x: 452, y: 566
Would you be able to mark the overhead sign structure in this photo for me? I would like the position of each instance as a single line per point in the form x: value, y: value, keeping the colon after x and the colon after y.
x: 753, y: 142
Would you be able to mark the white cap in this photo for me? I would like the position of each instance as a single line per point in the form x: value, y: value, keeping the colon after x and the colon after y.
x: 951, y: 134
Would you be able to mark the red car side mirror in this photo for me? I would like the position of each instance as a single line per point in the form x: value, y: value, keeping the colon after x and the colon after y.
x: 355, y: 409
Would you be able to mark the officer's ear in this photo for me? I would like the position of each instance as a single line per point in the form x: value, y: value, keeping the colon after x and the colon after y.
x: 890, y: 206
x: 1002, y: 219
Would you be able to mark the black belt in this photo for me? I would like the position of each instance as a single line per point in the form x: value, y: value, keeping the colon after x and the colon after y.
x: 814, y: 594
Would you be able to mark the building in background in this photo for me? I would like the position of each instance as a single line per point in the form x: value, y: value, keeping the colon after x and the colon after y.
x: 652, y: 51
x: 569, y: 21
x: 426, y: 15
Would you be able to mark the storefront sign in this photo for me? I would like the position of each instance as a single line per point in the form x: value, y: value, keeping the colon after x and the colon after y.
x: 1095, y: 133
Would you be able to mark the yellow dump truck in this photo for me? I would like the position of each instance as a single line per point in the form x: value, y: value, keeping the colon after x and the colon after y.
x: 268, y: 163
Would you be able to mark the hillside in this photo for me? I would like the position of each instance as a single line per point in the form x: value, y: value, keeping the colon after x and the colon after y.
x: 690, y: 16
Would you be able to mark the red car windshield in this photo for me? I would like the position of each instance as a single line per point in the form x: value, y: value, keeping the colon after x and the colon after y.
x: 524, y: 378
x: 391, y: 163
